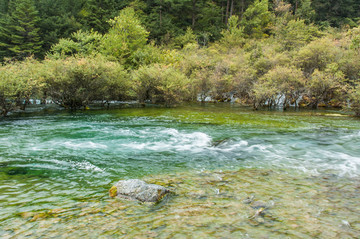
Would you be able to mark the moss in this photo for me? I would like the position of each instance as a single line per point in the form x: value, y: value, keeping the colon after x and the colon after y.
x: 113, y: 191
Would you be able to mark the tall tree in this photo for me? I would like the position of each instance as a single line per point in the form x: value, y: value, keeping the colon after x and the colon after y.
x: 96, y: 13
x: 337, y: 12
x: 125, y: 36
x: 22, y: 29
x: 4, y: 37
x: 257, y: 19
x: 3, y: 6
x: 58, y: 20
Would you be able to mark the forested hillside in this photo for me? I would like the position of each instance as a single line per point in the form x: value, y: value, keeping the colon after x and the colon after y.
x: 301, y: 53
x: 32, y: 26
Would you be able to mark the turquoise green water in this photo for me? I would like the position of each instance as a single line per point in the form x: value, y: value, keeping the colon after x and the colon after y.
x: 55, y: 170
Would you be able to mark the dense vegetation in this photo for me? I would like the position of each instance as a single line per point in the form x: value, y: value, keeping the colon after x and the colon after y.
x: 281, y: 53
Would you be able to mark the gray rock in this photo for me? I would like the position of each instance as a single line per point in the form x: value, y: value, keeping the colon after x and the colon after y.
x: 135, y: 189
x: 259, y: 204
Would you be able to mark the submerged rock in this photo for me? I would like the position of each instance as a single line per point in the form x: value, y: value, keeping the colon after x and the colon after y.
x: 259, y: 204
x: 135, y: 189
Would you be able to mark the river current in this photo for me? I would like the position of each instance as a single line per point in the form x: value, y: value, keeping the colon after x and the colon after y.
x: 56, y: 169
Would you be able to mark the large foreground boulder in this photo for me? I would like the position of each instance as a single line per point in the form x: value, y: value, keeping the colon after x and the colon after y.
x: 135, y: 189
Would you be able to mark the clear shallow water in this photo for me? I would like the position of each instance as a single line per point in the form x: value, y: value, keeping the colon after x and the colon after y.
x: 67, y: 161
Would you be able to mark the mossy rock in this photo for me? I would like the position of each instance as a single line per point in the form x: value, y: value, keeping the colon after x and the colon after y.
x: 135, y: 189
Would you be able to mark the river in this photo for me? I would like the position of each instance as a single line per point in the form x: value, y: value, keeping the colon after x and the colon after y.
x: 235, y: 173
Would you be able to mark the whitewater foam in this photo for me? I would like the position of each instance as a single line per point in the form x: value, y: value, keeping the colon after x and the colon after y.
x: 84, y: 145
x: 171, y: 140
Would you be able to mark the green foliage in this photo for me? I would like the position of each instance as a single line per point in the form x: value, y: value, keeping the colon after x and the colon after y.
x: 266, y: 52
x: 96, y: 13
x: 125, y: 36
x: 151, y: 54
x: 350, y: 65
x: 323, y: 86
x: 160, y: 84
x: 19, y: 82
x: 24, y: 32
x: 295, y: 34
x: 257, y: 19
x: 234, y: 35
x: 58, y: 20
x: 5, y: 37
x: 286, y: 82
x: 306, y: 12
x: 81, y: 43
x: 355, y: 100
x: 75, y: 82
x: 188, y: 38
x: 317, y: 55
x: 336, y: 12
x: 355, y: 38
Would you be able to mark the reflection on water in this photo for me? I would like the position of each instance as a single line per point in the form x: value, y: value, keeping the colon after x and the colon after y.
x: 283, y: 174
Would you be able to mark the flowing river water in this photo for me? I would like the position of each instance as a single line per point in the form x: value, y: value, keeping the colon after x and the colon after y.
x: 235, y: 173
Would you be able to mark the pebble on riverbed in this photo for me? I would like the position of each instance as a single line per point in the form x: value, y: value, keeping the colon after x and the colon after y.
x: 135, y: 189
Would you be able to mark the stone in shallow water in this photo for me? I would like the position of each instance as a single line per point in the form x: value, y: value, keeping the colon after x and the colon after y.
x: 135, y: 189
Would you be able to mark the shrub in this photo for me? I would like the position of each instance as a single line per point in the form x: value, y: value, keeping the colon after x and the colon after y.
x: 317, y: 55
x: 355, y: 100
x: 324, y: 86
x: 160, y: 84
x: 288, y: 83
x: 19, y: 82
x: 75, y: 82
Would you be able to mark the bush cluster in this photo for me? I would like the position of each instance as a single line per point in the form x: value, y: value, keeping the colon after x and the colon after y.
x: 284, y: 61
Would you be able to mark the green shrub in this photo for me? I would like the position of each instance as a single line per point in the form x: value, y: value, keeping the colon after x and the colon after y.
x: 125, y: 36
x: 355, y: 100
x: 317, y: 55
x: 160, y: 84
x: 75, y: 82
x: 19, y: 82
x: 324, y: 86
x: 80, y: 43
x: 288, y: 82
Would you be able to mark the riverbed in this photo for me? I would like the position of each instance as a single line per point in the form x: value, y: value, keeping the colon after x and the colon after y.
x: 234, y: 173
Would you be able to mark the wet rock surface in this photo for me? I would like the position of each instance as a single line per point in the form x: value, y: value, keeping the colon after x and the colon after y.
x: 135, y: 189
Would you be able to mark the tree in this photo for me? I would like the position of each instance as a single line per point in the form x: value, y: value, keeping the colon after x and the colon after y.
x: 295, y: 34
x: 288, y: 82
x: 257, y: 19
x: 80, y: 43
x: 234, y: 35
x: 305, y: 11
x: 5, y: 37
x: 24, y: 33
x: 323, y: 86
x: 96, y: 14
x: 75, y: 82
x: 188, y: 38
x: 337, y: 12
x: 160, y: 84
x: 19, y: 82
x: 58, y: 20
x: 317, y: 55
x: 355, y: 100
x: 125, y: 36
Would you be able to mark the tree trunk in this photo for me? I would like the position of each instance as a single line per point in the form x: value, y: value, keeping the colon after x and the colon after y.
x: 296, y: 6
x: 193, y: 13
x: 232, y: 8
x: 160, y: 18
x: 242, y: 8
x: 227, y: 12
